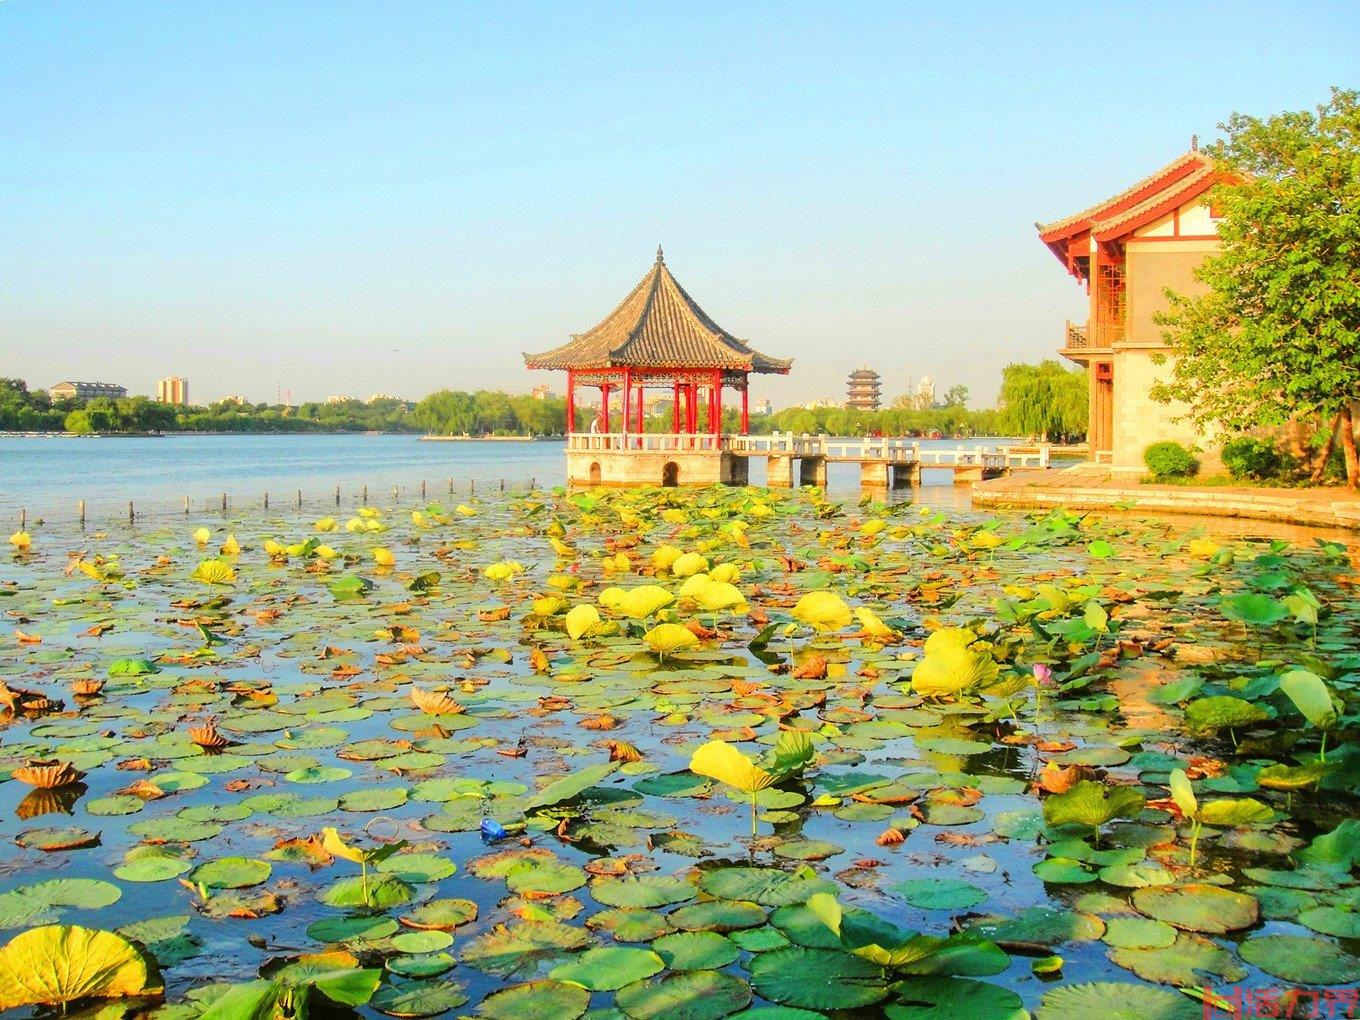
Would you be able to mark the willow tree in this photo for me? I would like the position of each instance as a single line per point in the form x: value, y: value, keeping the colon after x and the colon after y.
x: 1044, y: 400
x: 1275, y: 337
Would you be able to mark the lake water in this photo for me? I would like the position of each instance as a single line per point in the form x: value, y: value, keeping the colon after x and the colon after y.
x: 48, y: 475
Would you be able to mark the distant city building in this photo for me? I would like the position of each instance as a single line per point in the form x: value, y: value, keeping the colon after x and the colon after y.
x: 234, y: 398
x: 821, y: 402
x: 762, y: 406
x: 338, y: 399
x: 542, y: 392
x: 864, y: 390
x: 925, y: 392
x: 86, y: 390
x: 173, y: 390
x: 382, y: 396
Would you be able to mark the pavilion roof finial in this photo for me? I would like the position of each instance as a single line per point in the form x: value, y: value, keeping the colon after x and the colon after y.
x: 660, y: 256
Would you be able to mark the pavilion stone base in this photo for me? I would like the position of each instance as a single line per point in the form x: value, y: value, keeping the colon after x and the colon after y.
x: 655, y: 467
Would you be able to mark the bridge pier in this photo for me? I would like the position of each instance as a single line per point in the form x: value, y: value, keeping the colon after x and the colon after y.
x: 779, y: 471
x: 906, y: 476
x: 966, y: 474
x: 812, y: 471
x: 874, y: 474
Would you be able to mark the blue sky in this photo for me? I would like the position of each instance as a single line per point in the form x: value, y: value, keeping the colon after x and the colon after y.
x: 354, y: 197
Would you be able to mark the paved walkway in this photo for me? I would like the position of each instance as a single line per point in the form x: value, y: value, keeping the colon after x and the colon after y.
x: 1088, y: 488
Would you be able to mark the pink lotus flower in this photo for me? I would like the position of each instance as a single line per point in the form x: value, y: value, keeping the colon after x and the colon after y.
x: 1043, y: 675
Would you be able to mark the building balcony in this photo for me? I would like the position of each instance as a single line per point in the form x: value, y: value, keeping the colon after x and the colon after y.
x: 1079, y: 345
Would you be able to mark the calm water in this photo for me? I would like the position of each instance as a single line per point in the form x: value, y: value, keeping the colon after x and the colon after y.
x: 47, y: 476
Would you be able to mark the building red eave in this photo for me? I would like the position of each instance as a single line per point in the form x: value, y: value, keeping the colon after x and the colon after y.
x: 1114, y: 228
x: 1170, y: 175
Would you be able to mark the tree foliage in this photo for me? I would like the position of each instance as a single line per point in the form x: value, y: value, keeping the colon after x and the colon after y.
x: 1044, y: 400
x: 1276, y: 335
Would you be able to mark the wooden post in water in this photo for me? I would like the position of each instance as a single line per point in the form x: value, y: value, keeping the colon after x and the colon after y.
x: 80, y: 510
x: 299, y: 499
x: 132, y: 516
x: 422, y: 489
x: 472, y: 486
x: 266, y: 501
x: 23, y: 520
x: 450, y: 486
x: 337, y: 495
x: 365, y: 496
x: 395, y: 495
x: 502, y: 485
x: 224, y: 502
x: 186, y: 506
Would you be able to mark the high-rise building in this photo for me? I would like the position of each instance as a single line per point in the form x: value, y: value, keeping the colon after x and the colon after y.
x: 925, y: 392
x: 173, y: 390
x: 86, y: 390
x: 864, y: 390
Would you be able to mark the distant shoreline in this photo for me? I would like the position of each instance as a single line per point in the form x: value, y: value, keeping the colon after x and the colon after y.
x: 491, y: 439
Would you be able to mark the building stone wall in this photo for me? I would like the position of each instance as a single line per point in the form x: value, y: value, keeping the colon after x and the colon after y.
x: 1140, y: 421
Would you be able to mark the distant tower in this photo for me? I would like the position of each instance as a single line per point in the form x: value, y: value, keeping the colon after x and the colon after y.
x: 864, y: 390
x: 925, y: 392
x: 173, y: 390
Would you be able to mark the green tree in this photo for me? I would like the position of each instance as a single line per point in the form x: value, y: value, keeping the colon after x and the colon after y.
x: 1276, y: 335
x: 956, y: 396
x: 1045, y: 400
x: 78, y: 423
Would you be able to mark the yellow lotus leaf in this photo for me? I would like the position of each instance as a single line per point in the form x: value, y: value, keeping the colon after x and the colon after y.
x: 21, y: 540
x: 564, y: 582
x: 723, y: 762
x: 59, y: 963
x: 619, y: 563
x: 549, y: 605
x: 383, y: 557
x: 693, y: 585
x: 1202, y: 548
x: 688, y: 565
x: 950, y: 666
x: 335, y: 845
x: 274, y: 550
x: 718, y: 595
x: 823, y: 611
x: 986, y: 540
x: 666, y: 555
x: 674, y: 515
x: 725, y: 572
x: 419, y: 519
x: 759, y: 510
x: 670, y: 637
x: 872, y: 526
x: 215, y: 572
x: 555, y: 529
x: 466, y: 511
x: 611, y: 597
x: 640, y: 603
x: 499, y: 571
x: 561, y: 548
x: 582, y: 620
x: 326, y: 552
x: 230, y: 547
x: 872, y: 625
x: 326, y: 524
x: 355, y: 525
x: 203, y: 536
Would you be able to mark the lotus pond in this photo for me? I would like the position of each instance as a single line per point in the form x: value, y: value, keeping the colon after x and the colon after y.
x: 677, y: 754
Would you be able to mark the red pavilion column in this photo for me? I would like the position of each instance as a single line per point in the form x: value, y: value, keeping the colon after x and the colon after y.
x: 675, y: 407
x: 746, y: 408
x: 717, y: 403
x: 604, y: 405
x: 641, y: 415
x: 627, y: 402
x: 571, y: 401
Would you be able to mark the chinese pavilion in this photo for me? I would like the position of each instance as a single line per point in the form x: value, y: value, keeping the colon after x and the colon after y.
x: 658, y: 338
x: 864, y: 390
x: 1128, y: 251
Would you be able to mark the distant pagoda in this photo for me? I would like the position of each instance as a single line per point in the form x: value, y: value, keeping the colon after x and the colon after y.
x: 657, y: 338
x: 864, y: 390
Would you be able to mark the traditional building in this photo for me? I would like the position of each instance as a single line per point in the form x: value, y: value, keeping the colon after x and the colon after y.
x: 86, y: 391
x: 864, y: 392
x: 1128, y: 251
x: 173, y: 390
x: 657, y: 338
x: 925, y: 393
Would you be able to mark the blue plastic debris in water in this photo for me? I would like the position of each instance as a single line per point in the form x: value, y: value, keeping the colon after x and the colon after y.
x: 493, y: 830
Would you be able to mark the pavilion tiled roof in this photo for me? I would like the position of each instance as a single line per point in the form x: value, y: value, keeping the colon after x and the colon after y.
x: 658, y: 325
x: 1193, y: 163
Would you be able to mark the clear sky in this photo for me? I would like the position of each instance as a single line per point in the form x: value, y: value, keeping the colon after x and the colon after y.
x: 397, y: 197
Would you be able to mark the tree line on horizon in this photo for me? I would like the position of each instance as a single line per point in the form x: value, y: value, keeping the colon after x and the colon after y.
x: 1044, y: 401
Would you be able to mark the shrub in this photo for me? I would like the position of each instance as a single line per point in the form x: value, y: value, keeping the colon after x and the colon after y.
x: 1169, y: 460
x: 1249, y: 457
